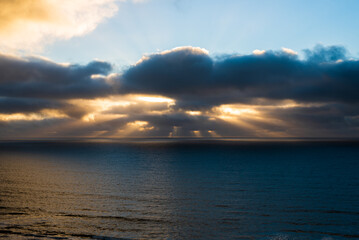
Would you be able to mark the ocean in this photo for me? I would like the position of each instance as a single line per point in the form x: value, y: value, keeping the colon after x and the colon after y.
x: 179, y: 189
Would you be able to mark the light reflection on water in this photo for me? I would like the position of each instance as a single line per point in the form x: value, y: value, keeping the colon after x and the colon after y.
x: 179, y: 190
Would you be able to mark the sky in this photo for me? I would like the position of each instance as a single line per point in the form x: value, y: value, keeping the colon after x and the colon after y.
x: 178, y: 68
x: 221, y: 27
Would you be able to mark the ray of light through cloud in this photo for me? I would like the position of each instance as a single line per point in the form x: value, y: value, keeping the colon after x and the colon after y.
x: 184, y: 92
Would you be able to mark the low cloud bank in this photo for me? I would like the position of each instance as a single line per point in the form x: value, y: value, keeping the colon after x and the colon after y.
x: 187, y: 93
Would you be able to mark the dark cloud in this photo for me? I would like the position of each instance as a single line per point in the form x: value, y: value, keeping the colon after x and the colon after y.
x: 195, y: 79
x: 323, y: 120
x: 39, y: 78
x: 31, y: 105
x: 172, y: 73
x: 322, y: 54
x: 24, y: 105
x: 324, y: 87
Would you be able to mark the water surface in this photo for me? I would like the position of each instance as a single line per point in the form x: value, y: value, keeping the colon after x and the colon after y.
x: 179, y: 190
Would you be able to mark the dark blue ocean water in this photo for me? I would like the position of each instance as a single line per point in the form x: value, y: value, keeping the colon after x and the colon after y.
x: 179, y: 190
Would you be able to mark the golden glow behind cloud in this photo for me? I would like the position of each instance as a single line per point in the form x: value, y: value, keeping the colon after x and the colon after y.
x: 44, y: 114
x: 15, y: 11
x: 155, y: 99
x: 24, y: 24
x: 93, y: 102
x: 102, y: 110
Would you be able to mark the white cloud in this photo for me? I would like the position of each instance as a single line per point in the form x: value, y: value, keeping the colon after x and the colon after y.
x: 28, y: 25
x: 259, y: 52
x: 289, y: 51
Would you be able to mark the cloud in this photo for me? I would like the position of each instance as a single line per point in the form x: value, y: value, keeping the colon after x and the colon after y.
x: 321, y: 53
x: 184, y: 92
x: 170, y: 72
x: 194, y: 78
x: 28, y: 24
x: 289, y: 51
x: 40, y: 78
x: 24, y: 105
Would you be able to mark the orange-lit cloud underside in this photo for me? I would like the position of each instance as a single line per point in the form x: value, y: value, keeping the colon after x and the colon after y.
x: 106, y: 110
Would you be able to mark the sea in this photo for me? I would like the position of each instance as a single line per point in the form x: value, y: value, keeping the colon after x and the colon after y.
x: 179, y: 189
